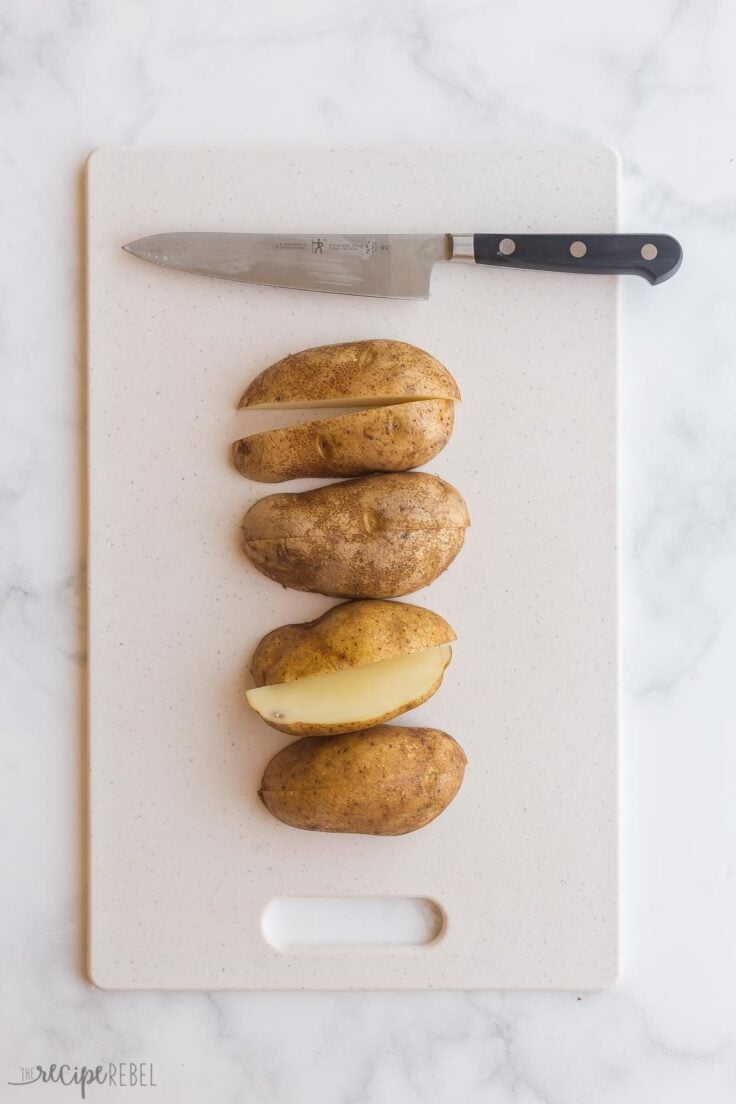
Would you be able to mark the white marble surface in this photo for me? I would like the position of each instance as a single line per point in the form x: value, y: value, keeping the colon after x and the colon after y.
x: 657, y: 81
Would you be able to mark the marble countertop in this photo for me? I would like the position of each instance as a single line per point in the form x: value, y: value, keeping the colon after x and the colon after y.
x: 657, y: 81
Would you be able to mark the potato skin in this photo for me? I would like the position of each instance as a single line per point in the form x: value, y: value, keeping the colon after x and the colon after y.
x: 386, y: 438
x: 380, y: 536
x: 352, y: 371
x: 385, y: 781
x: 351, y: 634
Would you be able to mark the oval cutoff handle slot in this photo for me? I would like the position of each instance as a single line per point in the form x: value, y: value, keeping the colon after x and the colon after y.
x: 289, y: 923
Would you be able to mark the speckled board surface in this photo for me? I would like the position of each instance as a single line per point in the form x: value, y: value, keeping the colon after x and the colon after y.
x: 183, y: 857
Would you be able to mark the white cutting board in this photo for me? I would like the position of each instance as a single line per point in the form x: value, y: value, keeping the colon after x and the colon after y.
x: 183, y: 857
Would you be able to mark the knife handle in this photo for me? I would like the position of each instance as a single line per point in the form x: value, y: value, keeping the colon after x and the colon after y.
x: 656, y: 257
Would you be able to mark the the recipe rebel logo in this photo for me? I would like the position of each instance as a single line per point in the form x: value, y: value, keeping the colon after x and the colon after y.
x: 118, y: 1075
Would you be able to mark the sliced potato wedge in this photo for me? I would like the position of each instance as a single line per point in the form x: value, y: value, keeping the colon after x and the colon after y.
x: 354, y: 698
x: 389, y: 438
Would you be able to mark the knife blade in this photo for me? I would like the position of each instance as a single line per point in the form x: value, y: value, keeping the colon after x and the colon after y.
x: 399, y: 266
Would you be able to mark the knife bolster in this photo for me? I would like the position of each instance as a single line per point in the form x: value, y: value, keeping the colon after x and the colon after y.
x: 463, y: 248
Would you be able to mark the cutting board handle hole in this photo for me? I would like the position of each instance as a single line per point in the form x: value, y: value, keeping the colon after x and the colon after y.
x: 290, y: 923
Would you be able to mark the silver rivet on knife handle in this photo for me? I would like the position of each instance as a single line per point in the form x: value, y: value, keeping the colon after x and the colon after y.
x: 462, y: 248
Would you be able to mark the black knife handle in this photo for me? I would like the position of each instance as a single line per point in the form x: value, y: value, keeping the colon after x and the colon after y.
x: 656, y: 257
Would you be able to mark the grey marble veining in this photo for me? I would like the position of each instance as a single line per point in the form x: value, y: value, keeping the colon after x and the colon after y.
x: 657, y: 81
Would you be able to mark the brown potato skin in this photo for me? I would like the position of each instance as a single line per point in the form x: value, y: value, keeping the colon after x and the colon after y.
x: 380, y: 536
x: 352, y: 371
x: 385, y: 438
x: 351, y: 634
x: 384, y: 781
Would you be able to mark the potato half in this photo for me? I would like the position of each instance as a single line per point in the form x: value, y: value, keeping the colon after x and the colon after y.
x: 383, y: 782
x: 387, y: 438
x: 356, y: 373
x: 376, y: 537
x: 359, y: 664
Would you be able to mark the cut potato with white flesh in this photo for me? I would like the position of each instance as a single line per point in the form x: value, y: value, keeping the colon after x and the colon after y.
x: 387, y: 438
x: 355, y: 373
x: 354, y: 698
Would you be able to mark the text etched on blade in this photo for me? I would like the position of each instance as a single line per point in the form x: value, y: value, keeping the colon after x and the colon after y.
x: 362, y: 247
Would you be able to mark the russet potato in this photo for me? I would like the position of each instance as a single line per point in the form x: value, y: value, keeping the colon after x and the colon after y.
x: 386, y: 781
x: 359, y: 664
x: 387, y: 438
x: 379, y: 536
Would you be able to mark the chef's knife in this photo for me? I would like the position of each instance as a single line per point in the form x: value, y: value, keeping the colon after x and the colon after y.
x: 400, y: 265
